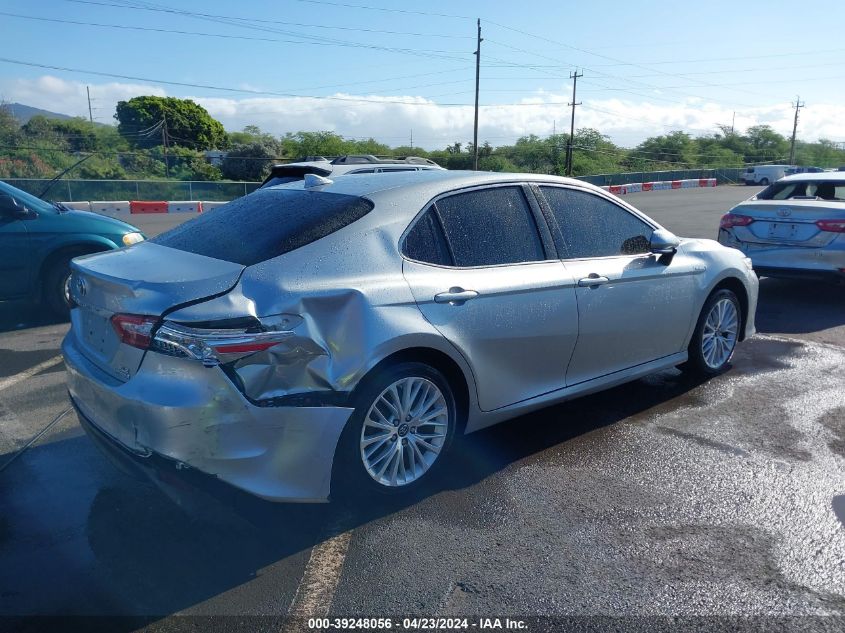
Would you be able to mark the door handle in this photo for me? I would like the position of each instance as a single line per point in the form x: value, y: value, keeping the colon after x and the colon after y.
x: 455, y: 296
x: 593, y: 280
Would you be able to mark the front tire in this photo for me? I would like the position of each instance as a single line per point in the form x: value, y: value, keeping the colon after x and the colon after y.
x: 398, y: 437
x: 716, y: 334
x: 55, y: 288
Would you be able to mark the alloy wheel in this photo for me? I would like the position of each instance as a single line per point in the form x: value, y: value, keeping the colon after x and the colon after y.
x: 719, y: 336
x: 404, y: 431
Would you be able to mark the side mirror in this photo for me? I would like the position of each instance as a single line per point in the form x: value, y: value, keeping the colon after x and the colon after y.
x: 663, y: 242
x: 11, y: 208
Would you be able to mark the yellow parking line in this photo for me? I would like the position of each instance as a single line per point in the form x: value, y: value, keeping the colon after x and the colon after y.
x: 29, y: 373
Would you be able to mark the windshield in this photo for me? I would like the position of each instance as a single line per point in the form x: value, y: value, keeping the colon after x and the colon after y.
x: 804, y: 190
x: 26, y: 199
x: 265, y: 224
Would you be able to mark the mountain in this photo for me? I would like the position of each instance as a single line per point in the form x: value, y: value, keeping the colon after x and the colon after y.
x: 24, y: 113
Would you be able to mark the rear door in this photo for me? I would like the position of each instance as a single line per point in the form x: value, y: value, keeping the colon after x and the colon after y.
x: 632, y: 308
x: 482, y: 268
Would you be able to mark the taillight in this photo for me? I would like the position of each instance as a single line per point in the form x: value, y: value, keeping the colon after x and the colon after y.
x: 134, y: 329
x: 832, y: 226
x: 730, y: 220
x: 215, y: 345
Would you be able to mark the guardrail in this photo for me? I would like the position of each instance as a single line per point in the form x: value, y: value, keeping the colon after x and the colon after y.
x: 723, y: 175
x: 191, y: 190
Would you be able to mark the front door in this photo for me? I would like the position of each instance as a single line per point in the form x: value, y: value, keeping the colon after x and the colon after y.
x: 633, y: 308
x: 15, y: 258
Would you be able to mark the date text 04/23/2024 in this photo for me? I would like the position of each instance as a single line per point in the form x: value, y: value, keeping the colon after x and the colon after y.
x: 417, y: 624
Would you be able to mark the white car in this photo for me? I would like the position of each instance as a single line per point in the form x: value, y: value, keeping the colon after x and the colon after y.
x: 350, y: 164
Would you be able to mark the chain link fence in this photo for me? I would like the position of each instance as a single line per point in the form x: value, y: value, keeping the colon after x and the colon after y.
x: 723, y: 175
x: 101, y: 190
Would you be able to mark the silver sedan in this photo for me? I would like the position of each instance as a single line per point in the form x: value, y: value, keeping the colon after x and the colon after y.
x: 326, y: 335
x: 795, y: 227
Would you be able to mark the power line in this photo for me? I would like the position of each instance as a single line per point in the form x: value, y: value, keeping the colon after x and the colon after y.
x: 263, y: 20
x: 444, y: 54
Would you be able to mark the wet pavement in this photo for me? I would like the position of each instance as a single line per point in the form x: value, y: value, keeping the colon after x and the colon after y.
x: 663, y: 497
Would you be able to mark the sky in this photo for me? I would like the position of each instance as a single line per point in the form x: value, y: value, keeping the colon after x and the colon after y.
x: 404, y: 72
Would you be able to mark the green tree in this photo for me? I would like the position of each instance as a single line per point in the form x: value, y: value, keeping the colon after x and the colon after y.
x: 765, y: 145
x: 674, y: 148
x: 188, y: 124
x: 247, y: 162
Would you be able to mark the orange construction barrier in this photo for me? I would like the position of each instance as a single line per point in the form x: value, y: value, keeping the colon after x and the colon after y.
x: 144, y: 206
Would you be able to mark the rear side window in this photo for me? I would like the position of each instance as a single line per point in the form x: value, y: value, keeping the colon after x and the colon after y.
x: 265, y: 224
x: 488, y: 227
x: 592, y: 226
x: 425, y: 242
x: 813, y: 190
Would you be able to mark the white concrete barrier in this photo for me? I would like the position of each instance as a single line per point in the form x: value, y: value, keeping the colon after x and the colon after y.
x: 79, y: 206
x: 208, y: 205
x: 184, y: 206
x: 111, y: 208
x: 660, y: 185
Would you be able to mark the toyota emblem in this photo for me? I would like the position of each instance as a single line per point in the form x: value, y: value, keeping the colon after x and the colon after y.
x: 783, y: 213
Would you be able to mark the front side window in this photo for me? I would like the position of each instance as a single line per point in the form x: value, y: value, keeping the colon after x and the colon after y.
x: 592, y: 226
x: 490, y: 227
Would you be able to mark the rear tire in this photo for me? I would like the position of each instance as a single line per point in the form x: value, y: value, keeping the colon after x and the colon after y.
x: 399, y: 435
x: 716, y: 334
x: 764, y: 181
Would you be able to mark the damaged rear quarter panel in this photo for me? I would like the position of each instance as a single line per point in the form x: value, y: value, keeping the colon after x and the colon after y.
x: 356, y: 306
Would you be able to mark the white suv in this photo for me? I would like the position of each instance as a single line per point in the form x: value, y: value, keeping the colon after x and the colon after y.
x: 350, y: 164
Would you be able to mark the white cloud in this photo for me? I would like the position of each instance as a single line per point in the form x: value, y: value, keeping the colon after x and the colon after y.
x: 391, y: 119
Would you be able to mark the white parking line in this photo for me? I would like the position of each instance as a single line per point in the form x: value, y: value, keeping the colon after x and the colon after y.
x: 316, y: 590
x: 29, y: 373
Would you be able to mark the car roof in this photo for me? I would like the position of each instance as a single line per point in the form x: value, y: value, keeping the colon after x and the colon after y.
x: 415, y: 188
x: 827, y: 176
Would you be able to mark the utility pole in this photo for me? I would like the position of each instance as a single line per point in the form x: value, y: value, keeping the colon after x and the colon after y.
x: 412, y: 138
x: 477, y: 75
x: 574, y: 77
x: 797, y: 105
x: 90, y: 113
x: 164, y: 144
x: 733, y: 122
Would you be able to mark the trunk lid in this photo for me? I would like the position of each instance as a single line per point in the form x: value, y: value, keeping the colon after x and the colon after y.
x: 788, y: 222
x: 146, y: 279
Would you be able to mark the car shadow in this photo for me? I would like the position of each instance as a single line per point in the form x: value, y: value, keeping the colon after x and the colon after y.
x: 122, y: 548
x: 791, y: 306
x: 23, y: 314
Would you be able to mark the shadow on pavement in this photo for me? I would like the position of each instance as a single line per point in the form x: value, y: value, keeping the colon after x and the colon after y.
x: 78, y: 537
x: 791, y: 306
x: 20, y: 315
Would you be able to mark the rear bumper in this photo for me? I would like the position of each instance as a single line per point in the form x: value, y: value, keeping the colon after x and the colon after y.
x: 194, y: 416
x: 773, y: 260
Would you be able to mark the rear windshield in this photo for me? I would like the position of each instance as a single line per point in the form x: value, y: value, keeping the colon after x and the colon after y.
x: 265, y: 224
x: 804, y: 190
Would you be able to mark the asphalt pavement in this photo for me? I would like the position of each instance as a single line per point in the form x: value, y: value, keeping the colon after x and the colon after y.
x: 664, y: 498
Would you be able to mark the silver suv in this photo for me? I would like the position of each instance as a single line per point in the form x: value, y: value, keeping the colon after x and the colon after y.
x: 795, y: 227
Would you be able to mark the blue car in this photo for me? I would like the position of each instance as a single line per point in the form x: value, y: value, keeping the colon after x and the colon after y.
x: 38, y: 239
